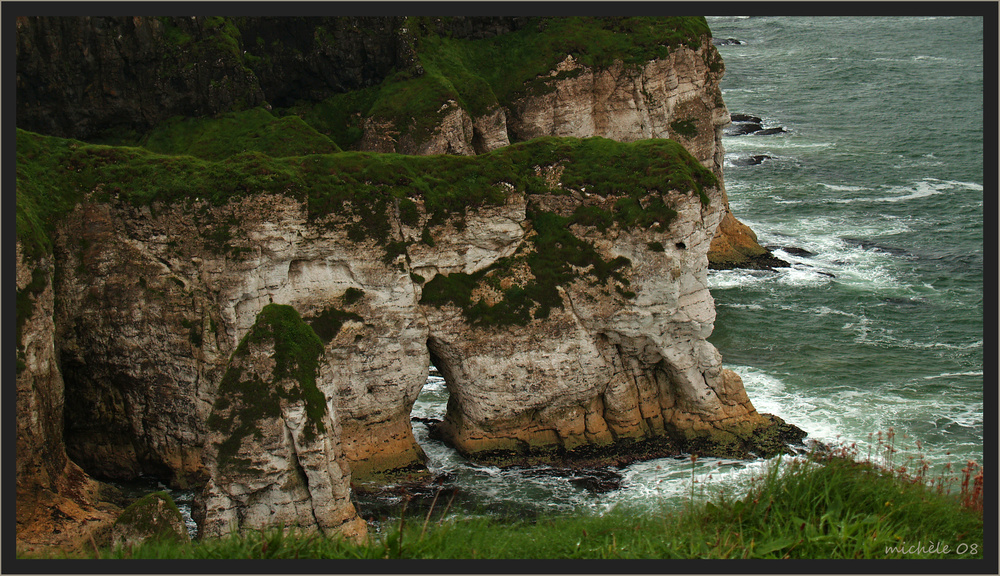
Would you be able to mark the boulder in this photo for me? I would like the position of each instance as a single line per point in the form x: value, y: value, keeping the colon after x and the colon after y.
x: 153, y: 517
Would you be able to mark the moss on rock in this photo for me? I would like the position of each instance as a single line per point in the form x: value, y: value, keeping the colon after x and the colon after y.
x: 152, y: 517
x: 249, y: 395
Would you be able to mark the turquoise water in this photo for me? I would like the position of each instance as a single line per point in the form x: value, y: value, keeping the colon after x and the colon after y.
x: 880, y: 177
x: 874, y: 194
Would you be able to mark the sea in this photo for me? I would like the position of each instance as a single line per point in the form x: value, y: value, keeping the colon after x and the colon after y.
x: 866, y: 174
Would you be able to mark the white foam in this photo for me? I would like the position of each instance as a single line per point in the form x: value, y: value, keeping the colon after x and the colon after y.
x: 842, y: 188
x: 920, y: 189
x: 848, y: 416
x: 953, y: 374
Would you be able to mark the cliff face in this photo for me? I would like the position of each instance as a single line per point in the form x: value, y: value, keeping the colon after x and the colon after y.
x: 57, y: 503
x: 559, y: 284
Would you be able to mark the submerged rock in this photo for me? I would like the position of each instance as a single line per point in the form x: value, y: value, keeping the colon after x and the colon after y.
x: 742, y: 129
x: 745, y: 118
x: 770, y: 131
x: 753, y: 160
x: 793, y: 250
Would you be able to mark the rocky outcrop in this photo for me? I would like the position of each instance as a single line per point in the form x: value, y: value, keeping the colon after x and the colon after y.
x: 57, y: 503
x: 600, y: 377
x: 153, y: 517
x: 568, y: 313
x: 274, y: 453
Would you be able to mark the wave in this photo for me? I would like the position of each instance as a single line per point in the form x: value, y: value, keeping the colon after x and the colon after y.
x: 919, y: 189
x: 853, y: 415
x: 954, y: 374
x: 842, y: 188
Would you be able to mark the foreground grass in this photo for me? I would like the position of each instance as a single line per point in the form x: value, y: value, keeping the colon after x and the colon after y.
x: 833, y: 507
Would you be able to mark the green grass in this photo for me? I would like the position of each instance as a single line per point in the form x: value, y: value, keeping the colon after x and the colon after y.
x: 827, y: 506
x: 255, y: 130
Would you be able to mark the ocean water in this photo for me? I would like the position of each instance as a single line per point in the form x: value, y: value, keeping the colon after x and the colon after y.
x: 874, y: 193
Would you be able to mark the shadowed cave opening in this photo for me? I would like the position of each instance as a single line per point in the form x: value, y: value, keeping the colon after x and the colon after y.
x: 101, y: 440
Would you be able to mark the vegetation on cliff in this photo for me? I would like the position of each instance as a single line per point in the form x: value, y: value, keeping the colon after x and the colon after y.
x: 244, y: 399
x: 254, y: 130
x: 366, y: 192
x: 54, y: 174
x: 466, y: 71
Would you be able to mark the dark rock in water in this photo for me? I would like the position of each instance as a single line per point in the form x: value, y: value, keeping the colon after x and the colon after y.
x: 595, y: 480
x: 751, y: 160
x: 793, y: 251
x: 800, y: 266
x: 869, y: 245
x: 598, y: 484
x: 428, y: 421
x: 770, y: 131
x: 766, y: 261
x: 727, y: 42
x: 745, y: 118
x: 742, y: 129
x: 905, y: 302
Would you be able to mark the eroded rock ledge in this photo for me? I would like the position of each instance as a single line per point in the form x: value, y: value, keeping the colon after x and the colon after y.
x: 559, y: 285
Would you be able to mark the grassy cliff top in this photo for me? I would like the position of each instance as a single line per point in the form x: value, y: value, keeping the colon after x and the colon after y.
x: 484, y: 74
x: 54, y: 174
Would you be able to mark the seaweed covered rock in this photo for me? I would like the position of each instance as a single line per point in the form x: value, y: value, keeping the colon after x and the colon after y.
x: 274, y: 455
x: 152, y: 517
